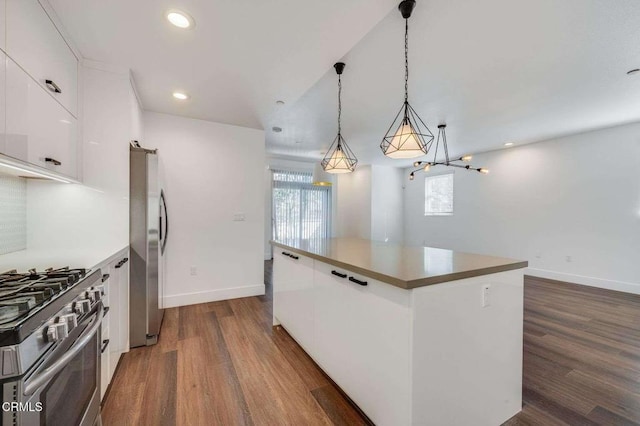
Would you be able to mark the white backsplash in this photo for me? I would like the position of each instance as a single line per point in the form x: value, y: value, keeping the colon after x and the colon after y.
x: 13, y: 214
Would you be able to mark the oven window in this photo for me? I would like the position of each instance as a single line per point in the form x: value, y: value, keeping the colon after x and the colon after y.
x: 67, y: 396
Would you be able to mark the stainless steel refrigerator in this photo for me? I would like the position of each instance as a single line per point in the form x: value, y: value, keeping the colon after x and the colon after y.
x: 148, y: 237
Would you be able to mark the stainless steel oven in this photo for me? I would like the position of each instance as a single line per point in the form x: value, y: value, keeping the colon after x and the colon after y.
x: 64, y: 387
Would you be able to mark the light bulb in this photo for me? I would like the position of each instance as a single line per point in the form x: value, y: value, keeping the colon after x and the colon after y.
x: 466, y: 158
x: 483, y: 171
x: 411, y: 176
x: 427, y: 167
x: 416, y: 164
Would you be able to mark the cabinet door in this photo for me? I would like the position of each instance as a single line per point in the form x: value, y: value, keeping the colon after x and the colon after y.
x: 33, y: 41
x: 293, y: 297
x: 3, y: 16
x: 123, y: 301
x: 114, y: 313
x: 362, y: 334
x: 3, y: 81
x: 38, y: 128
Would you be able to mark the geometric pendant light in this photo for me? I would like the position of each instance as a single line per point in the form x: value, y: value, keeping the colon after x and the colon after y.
x: 339, y: 157
x: 442, y: 138
x: 408, y: 136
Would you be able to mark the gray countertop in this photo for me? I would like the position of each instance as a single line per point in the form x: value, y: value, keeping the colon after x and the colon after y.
x: 402, y: 266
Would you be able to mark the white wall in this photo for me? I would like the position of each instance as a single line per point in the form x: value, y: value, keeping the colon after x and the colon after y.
x: 370, y: 204
x: 387, y: 204
x: 212, y: 171
x: 570, y: 206
x: 353, y: 210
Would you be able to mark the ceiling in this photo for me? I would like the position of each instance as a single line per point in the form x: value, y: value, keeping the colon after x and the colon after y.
x: 239, y: 59
x: 495, y: 71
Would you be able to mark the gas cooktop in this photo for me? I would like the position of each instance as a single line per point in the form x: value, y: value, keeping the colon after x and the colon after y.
x: 24, y: 298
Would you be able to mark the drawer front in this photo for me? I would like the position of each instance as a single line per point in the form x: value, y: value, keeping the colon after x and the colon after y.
x: 39, y: 130
x: 33, y: 41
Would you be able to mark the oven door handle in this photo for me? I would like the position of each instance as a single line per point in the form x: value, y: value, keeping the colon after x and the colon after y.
x: 34, y: 383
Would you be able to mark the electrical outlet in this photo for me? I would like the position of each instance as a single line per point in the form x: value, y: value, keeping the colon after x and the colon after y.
x: 485, y: 295
x: 193, y: 270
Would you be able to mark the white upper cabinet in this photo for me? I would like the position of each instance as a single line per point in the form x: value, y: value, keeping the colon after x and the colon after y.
x: 33, y: 41
x: 3, y: 5
x: 38, y: 129
x: 2, y: 101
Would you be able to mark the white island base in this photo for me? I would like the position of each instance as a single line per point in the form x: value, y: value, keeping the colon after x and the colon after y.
x: 446, y: 354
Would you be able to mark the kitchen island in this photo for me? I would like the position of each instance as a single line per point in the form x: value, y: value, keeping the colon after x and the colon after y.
x: 413, y: 335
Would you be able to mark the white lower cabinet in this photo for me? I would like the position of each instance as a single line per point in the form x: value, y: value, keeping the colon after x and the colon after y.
x: 362, y: 332
x: 115, y: 325
x: 294, y: 304
x: 354, y: 327
x: 38, y: 129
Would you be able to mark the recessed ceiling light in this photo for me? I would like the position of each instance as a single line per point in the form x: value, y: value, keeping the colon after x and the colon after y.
x: 180, y: 19
x: 181, y: 96
x: 280, y: 102
x: 276, y: 129
x: 508, y: 144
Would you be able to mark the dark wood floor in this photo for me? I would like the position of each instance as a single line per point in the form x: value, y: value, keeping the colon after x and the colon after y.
x: 222, y: 363
x: 581, y: 356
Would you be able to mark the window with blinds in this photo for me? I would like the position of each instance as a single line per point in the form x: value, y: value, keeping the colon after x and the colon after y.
x: 300, y: 209
x: 438, y: 200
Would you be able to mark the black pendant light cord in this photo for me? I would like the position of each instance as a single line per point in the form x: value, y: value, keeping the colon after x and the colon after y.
x: 339, y: 104
x: 406, y: 61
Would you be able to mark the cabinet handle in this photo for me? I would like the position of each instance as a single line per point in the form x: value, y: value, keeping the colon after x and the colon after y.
x: 106, y: 310
x: 338, y: 274
x: 52, y: 160
x: 105, y: 277
x: 122, y: 262
x: 285, y: 253
x: 294, y: 257
x: 105, y: 343
x: 357, y: 281
x: 53, y: 86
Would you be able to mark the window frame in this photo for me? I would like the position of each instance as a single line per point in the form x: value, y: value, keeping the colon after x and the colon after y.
x: 453, y: 190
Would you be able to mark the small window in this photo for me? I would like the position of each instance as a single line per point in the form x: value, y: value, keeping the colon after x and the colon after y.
x: 438, y: 200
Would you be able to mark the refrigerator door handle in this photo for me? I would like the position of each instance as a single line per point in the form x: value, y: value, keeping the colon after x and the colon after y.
x: 164, y: 234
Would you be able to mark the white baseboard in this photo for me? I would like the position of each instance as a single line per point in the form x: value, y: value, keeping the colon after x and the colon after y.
x: 623, y: 286
x: 212, y: 295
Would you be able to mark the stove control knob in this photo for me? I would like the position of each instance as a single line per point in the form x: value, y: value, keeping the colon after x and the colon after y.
x: 101, y: 288
x: 95, y: 293
x: 52, y: 334
x: 82, y: 306
x: 71, y: 320
x: 57, y: 331
x: 90, y: 295
x: 63, y: 329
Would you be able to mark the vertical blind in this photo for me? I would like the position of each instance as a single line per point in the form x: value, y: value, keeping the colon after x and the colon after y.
x: 300, y: 209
